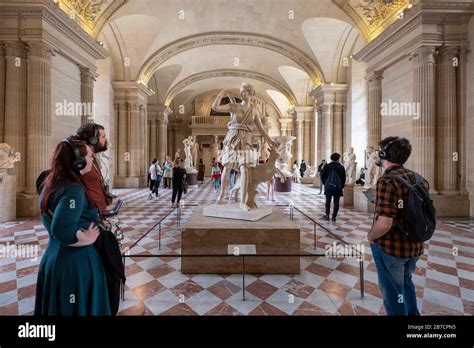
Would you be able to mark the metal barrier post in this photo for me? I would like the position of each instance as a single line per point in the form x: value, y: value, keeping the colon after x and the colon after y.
x: 243, y: 277
x: 361, y: 268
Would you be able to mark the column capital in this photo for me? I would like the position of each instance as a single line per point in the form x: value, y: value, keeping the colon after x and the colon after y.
x: 423, y: 55
x: 14, y: 49
x: 87, y: 74
x: 374, y: 79
x: 447, y: 53
x: 39, y: 49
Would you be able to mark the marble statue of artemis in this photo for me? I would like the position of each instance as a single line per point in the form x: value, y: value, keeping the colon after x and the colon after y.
x: 237, y: 149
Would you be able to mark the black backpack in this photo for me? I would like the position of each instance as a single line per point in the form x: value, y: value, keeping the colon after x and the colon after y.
x: 420, y: 213
x: 333, y: 182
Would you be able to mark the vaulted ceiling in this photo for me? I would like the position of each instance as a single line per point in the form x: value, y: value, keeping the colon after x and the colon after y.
x: 183, y: 48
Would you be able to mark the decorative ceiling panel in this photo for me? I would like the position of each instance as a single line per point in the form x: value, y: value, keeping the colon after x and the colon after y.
x: 372, y: 17
x: 91, y: 15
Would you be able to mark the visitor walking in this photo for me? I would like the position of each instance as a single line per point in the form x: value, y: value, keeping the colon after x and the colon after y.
x: 333, y: 176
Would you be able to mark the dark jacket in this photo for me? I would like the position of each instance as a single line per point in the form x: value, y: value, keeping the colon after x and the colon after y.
x: 328, y: 168
x: 178, y: 176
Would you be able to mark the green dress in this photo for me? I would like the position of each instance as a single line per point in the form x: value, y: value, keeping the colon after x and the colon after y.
x: 71, y: 280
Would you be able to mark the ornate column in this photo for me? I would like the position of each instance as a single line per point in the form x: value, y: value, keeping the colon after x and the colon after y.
x: 121, y: 137
x: 374, y: 120
x: 326, y: 129
x: 461, y: 79
x: 153, y: 143
x: 15, y: 126
x: 424, y: 131
x: 299, y: 136
x: 87, y: 94
x: 446, y: 123
x: 134, y: 141
x: 337, y: 141
x: 162, y: 133
x: 143, y: 138
x: 2, y: 93
x: 39, y: 128
x: 319, y: 135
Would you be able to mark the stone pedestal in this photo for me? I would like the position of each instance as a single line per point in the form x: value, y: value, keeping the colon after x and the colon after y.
x: 317, y: 181
x: 348, y: 198
x: 307, y: 179
x: 361, y: 202
x: 451, y: 205
x: 191, y: 178
x: 8, y: 195
x: 274, y: 234
x: 283, y: 186
x: 233, y: 211
x: 129, y: 182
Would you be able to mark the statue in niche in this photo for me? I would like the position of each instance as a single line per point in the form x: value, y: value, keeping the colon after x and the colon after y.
x: 238, y: 152
x: 177, y: 154
x: 350, y: 166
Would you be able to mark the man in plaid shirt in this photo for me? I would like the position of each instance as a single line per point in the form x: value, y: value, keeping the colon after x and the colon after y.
x: 395, y: 256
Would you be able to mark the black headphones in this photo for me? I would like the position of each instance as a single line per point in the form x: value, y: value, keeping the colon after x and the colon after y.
x: 93, y: 140
x: 79, y: 161
x: 383, y: 153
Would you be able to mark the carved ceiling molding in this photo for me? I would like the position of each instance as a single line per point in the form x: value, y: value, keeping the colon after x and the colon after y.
x: 221, y: 38
x: 453, y: 13
x: 91, y: 15
x: 178, y: 87
x: 372, y: 17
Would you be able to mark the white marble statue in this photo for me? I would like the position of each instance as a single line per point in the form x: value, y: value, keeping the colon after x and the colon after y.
x: 373, y: 171
x: 177, y: 154
x: 262, y: 173
x: 188, y: 144
x: 194, y: 153
x: 7, y: 156
x: 285, y: 154
x: 237, y: 151
x: 350, y: 165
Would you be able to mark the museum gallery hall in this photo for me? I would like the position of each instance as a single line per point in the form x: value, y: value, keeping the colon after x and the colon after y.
x: 195, y: 132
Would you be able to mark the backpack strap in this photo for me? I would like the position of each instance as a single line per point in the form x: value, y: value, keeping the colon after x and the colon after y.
x: 400, y: 179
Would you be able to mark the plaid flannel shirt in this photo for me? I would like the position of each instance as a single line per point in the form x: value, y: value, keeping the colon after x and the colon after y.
x: 391, y: 198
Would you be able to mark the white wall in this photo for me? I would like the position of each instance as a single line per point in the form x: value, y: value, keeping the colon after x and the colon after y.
x: 397, y: 86
x: 470, y: 115
x: 65, y: 86
x: 105, y: 114
x: 356, y: 117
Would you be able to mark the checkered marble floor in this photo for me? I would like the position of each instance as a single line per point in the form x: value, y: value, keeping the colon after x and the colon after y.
x: 444, y: 277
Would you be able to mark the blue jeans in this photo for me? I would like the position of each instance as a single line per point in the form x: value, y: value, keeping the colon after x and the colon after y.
x: 396, y: 285
x: 217, y: 184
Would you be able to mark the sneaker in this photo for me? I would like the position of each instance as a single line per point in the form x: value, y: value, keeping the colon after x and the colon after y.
x: 150, y: 196
x: 333, y: 218
x: 326, y: 217
x: 157, y: 196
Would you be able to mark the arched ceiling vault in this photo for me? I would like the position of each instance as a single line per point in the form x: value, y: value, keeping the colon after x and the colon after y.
x: 251, y: 75
x: 370, y: 17
x: 218, y: 38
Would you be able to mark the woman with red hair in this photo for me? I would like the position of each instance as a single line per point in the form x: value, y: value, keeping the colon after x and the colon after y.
x: 71, y: 276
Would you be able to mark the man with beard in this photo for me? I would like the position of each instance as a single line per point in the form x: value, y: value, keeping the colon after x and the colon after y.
x: 94, y: 135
